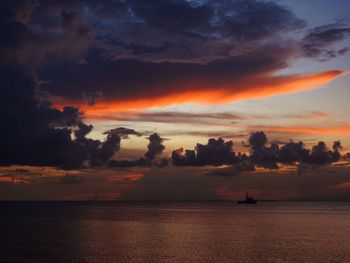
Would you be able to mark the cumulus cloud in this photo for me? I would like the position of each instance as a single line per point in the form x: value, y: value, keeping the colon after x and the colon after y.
x: 215, y: 152
x: 290, y: 153
x: 262, y: 154
x: 36, y: 133
x: 155, y: 146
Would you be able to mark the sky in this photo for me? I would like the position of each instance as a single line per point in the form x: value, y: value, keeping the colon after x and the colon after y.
x: 174, y: 100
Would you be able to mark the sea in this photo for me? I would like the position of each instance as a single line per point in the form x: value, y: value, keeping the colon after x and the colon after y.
x: 174, y: 232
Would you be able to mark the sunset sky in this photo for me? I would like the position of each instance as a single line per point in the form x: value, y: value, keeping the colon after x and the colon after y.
x: 156, y: 78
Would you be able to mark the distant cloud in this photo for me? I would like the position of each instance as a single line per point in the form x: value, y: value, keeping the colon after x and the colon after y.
x: 342, y: 129
x: 262, y: 154
x: 165, y: 116
x: 318, y: 43
x: 215, y: 152
x: 309, y: 115
x: 154, y: 148
x: 123, y: 132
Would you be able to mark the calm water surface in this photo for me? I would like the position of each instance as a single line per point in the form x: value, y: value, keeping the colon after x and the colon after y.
x: 174, y: 232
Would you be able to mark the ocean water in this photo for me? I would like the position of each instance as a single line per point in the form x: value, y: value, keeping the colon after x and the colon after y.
x: 174, y: 232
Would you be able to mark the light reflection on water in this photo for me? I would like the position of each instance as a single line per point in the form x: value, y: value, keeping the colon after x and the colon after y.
x: 174, y: 232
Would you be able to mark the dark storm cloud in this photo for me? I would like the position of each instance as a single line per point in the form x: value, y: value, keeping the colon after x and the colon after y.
x: 173, y: 15
x: 120, y: 49
x: 318, y: 42
x: 128, y: 79
x: 190, y: 31
x: 156, y: 30
x: 166, y: 47
x: 32, y: 31
x: 36, y: 133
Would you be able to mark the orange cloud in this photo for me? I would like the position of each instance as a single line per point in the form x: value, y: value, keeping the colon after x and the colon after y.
x: 206, y: 93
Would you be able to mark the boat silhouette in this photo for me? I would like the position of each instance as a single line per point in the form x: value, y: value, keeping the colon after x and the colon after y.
x: 248, y: 200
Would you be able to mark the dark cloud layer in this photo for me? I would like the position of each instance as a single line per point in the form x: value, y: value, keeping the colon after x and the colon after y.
x: 126, y: 80
x: 120, y: 48
x: 170, y: 49
x: 127, y: 51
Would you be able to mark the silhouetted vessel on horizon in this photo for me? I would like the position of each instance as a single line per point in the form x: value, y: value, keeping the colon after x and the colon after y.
x: 248, y: 200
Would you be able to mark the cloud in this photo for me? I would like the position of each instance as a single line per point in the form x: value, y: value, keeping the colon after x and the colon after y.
x: 215, y: 152
x: 182, y: 51
x: 165, y: 116
x: 136, y: 54
x: 123, y: 132
x: 289, y: 153
x: 308, y: 115
x: 33, y: 31
x: 247, y: 76
x: 155, y: 147
x: 204, y: 52
x: 199, y: 31
x: 207, y: 52
x: 292, y: 152
x: 319, y: 40
x: 342, y: 129
x: 37, y: 134
x: 262, y: 154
